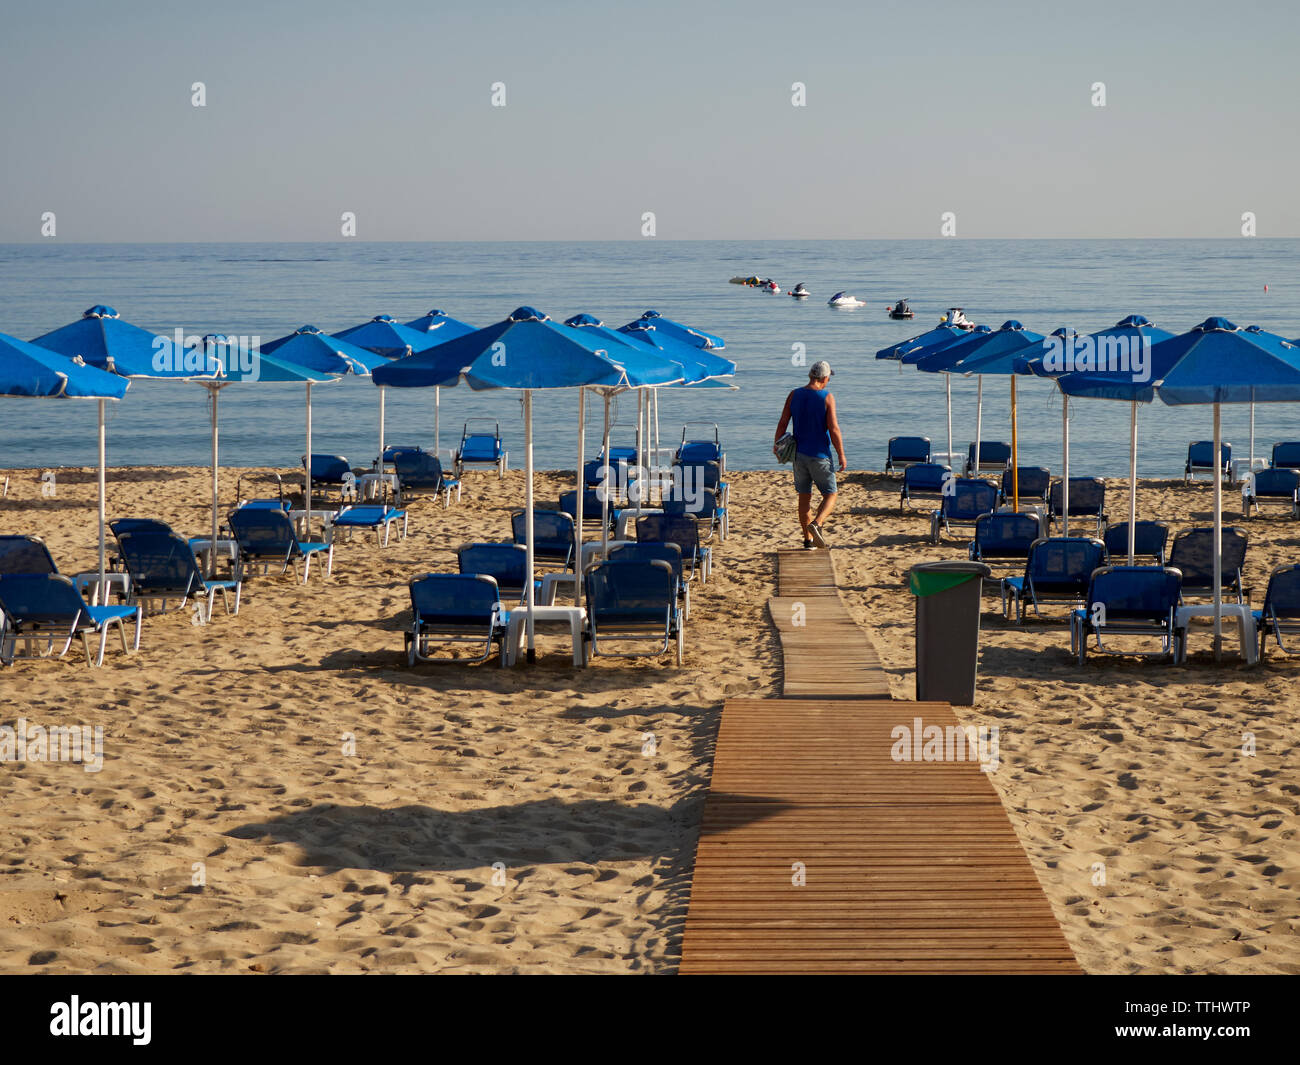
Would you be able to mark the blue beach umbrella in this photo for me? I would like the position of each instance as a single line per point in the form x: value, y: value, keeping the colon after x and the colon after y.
x: 953, y: 338
x: 441, y: 324
x: 1216, y: 363
x: 526, y: 351
x: 101, y: 339
x: 686, y: 334
x: 33, y: 372
x: 994, y: 353
x: 943, y: 331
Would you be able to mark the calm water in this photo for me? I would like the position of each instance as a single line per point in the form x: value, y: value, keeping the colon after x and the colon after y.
x: 270, y: 289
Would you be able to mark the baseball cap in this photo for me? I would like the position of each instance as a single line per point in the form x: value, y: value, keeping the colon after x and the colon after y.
x: 821, y: 370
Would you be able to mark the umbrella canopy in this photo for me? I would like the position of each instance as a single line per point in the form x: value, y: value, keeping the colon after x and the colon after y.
x: 696, y: 338
x: 442, y: 324
x: 939, y: 333
x: 308, y: 346
x: 912, y: 356
x: 101, y: 339
x: 386, y: 336
x: 697, y: 363
x: 29, y: 370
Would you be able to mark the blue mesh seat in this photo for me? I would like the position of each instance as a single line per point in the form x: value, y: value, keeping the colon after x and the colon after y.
x: 331, y: 474
x: 1200, y: 459
x: 420, y: 472
x: 25, y: 554
x: 1275, y: 487
x: 650, y: 551
x: 1281, y: 613
x: 995, y: 456
x: 904, y: 451
x: 1005, y: 537
x: 163, y: 568
x: 634, y: 601
x: 1128, y: 601
x: 1057, y: 571
x: 1286, y: 455
x: 1034, y: 483
x: 507, y: 564
x: 479, y: 448
x: 679, y: 529
x: 552, y: 537
x: 924, y: 482
x: 592, y: 507
x: 267, y: 538
x: 47, y: 607
x: 968, y: 499
x: 1087, y: 500
x: 373, y: 516
x: 118, y: 526
x: 1149, y: 540
x: 455, y: 608
x: 1193, y: 556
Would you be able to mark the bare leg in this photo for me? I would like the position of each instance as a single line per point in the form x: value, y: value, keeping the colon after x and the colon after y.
x: 823, y: 511
x: 805, y: 512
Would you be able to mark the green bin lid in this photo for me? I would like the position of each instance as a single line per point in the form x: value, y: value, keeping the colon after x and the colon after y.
x: 931, y: 578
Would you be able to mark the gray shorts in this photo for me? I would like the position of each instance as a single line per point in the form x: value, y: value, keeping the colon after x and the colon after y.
x: 809, y: 471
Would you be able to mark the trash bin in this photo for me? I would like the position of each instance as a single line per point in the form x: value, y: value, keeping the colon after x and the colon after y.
x: 947, y: 629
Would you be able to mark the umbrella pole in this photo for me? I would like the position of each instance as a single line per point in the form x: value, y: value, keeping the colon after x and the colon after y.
x: 1218, y: 539
x: 1132, y: 479
x: 1015, y: 454
x: 640, y: 440
x: 307, y: 492
x: 101, y: 593
x: 979, y: 419
x: 1065, y: 463
x: 582, y: 491
x: 1252, y: 430
x: 212, y: 547
x: 437, y: 411
x: 654, y: 399
x: 604, y: 503
x: 528, y: 515
x: 381, y: 428
x: 947, y: 381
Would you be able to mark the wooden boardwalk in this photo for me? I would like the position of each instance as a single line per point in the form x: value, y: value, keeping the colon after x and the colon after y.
x: 820, y: 853
x: 824, y: 651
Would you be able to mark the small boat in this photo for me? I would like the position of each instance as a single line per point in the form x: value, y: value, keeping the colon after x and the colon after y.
x: 770, y: 286
x: 840, y: 299
x: 901, y: 310
x: 800, y: 291
x: 739, y: 281
x: 957, y: 317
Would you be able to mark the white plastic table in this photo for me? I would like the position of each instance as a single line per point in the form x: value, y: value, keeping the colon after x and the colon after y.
x: 326, y: 517
x: 628, y: 515
x: 1242, y: 467
x: 1240, y: 612
x: 202, y: 548
x: 90, y: 582
x: 516, y: 632
x: 369, y: 485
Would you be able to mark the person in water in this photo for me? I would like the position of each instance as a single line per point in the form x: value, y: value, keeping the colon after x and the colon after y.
x: 816, y: 431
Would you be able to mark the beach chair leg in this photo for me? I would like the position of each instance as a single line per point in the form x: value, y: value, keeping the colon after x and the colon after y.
x: 681, y: 643
x: 239, y: 588
x: 139, y: 621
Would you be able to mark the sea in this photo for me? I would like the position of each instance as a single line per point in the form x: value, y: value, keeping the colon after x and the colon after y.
x: 268, y: 290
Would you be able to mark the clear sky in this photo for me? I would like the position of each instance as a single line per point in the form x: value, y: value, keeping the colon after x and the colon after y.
x: 384, y: 108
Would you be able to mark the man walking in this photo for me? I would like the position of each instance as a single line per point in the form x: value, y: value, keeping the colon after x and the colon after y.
x: 816, y: 430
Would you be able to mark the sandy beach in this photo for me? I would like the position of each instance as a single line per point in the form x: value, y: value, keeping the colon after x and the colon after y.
x: 544, y: 819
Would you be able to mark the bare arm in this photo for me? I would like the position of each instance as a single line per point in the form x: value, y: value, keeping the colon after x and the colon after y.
x: 833, y: 427
x: 785, y: 420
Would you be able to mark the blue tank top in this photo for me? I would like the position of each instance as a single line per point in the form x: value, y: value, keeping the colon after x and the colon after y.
x: 808, y: 413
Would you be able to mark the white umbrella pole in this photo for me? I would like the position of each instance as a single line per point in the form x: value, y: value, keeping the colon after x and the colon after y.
x: 1252, y: 430
x: 1132, y: 479
x: 437, y: 429
x: 528, y: 515
x: 101, y: 593
x: 582, y: 492
x: 307, y: 494
x: 947, y: 381
x: 212, y: 548
x: 604, y: 503
x: 381, y: 426
x: 640, y: 442
x: 1065, y: 463
x: 979, y: 423
x: 654, y: 400
x: 1218, y: 538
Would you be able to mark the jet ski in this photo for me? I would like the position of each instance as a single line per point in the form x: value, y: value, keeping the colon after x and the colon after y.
x: 901, y: 310
x: 842, y: 300
x: 800, y: 291
x: 770, y: 286
x: 956, y: 317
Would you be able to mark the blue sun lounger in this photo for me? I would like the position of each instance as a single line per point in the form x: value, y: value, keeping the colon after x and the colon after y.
x: 552, y: 537
x: 25, y: 554
x: 1057, y: 571
x: 969, y: 499
x: 507, y: 564
x: 163, y: 568
x: 481, y: 449
x: 331, y: 474
x: 374, y: 516
x: 1277, y: 487
x: 420, y: 472
x: 1286, y: 455
x: 1087, y: 500
x: 1005, y: 537
x: 267, y: 538
x: 660, y: 552
x: 455, y: 608
x: 904, y: 451
x: 1193, y: 556
x: 1128, y: 601
x: 995, y: 456
x: 1033, y: 486
x: 1200, y: 460
x: 1281, y: 613
x: 634, y: 600
x: 1149, y: 540
x: 47, y: 607
x: 682, y: 530
x: 924, y: 482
